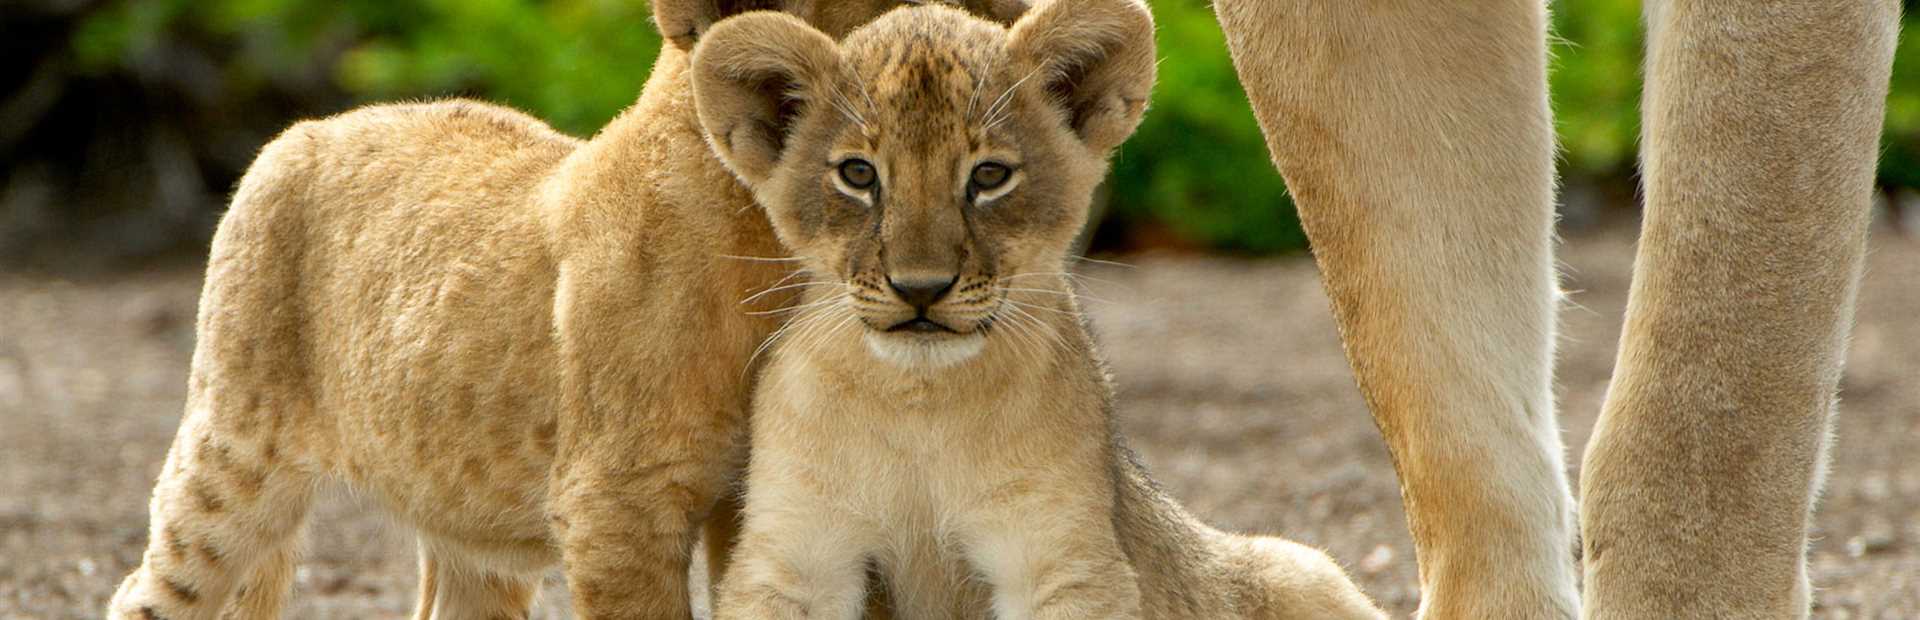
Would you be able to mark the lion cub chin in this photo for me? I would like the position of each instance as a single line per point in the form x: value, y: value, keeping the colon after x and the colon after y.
x: 925, y: 353
x: 934, y: 413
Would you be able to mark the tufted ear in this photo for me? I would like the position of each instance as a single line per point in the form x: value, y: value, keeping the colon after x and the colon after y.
x: 1005, y: 12
x: 1095, y: 58
x: 754, y: 76
x: 684, y: 21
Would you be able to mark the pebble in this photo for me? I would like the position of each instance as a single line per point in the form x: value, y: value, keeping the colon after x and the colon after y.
x: 1380, y: 559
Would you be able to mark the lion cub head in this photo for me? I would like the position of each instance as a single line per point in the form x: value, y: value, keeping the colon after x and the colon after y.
x: 932, y: 163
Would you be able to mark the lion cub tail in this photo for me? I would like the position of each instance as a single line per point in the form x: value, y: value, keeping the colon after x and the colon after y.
x: 1188, y: 569
x: 1279, y: 578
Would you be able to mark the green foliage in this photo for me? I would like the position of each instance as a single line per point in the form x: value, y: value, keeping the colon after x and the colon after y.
x: 1595, y: 73
x: 1199, y: 167
x: 1197, y: 171
x: 1198, y: 164
x: 1596, y: 92
x: 573, y: 62
x: 1900, y: 160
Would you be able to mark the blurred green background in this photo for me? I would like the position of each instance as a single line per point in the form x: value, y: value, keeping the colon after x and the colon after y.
x: 124, y: 123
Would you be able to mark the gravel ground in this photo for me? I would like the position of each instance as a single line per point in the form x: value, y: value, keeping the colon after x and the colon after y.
x: 1232, y: 379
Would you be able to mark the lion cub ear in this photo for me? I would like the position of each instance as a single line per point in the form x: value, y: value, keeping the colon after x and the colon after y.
x: 1096, y: 60
x: 754, y: 77
x: 683, y: 22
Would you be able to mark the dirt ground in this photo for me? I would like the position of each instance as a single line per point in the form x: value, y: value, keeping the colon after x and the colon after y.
x: 1233, y: 385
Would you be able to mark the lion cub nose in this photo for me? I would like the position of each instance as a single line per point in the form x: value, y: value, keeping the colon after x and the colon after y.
x: 921, y: 292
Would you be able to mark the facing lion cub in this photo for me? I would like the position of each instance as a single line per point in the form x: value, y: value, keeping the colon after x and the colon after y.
x: 936, y: 414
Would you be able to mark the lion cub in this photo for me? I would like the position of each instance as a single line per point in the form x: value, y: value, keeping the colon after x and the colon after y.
x: 935, y: 412
x: 527, y: 347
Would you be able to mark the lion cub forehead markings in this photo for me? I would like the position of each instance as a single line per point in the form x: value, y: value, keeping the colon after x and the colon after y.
x: 922, y: 68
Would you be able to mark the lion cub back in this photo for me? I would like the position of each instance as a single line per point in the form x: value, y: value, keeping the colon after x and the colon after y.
x: 347, y: 280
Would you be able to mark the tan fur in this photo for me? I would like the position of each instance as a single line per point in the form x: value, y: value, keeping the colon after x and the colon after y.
x: 1417, y: 141
x: 1762, y: 128
x: 1420, y: 157
x: 529, y: 347
x: 976, y: 470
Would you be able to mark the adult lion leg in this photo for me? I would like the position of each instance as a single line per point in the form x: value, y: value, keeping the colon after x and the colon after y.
x: 1417, y: 140
x: 1762, y: 122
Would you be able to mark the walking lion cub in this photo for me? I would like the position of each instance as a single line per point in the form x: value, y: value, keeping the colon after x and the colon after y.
x: 528, y: 347
x: 935, y: 413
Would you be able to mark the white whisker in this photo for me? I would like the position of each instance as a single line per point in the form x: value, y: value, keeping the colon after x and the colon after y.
x: 779, y: 288
x: 1040, y: 307
x: 1037, y: 333
x: 798, y: 322
x: 860, y: 85
x: 846, y: 109
x: 1001, y: 103
x: 1050, y: 331
x: 1104, y: 262
x: 812, y: 304
x: 1037, y: 290
x: 783, y: 280
x: 826, y: 335
x: 764, y: 259
x: 1075, y: 278
x: 1066, y: 294
x: 1030, y: 342
x: 978, y: 84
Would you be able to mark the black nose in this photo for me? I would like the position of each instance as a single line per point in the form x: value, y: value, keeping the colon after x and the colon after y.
x: 921, y: 293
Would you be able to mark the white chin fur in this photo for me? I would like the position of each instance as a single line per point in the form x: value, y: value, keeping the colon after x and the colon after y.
x: 915, y: 352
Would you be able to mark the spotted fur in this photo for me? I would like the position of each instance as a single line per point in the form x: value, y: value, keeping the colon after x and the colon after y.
x: 528, y: 347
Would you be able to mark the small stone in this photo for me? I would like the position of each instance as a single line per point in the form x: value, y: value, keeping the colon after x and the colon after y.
x: 1377, y: 560
x: 1870, y: 542
x: 1876, y: 488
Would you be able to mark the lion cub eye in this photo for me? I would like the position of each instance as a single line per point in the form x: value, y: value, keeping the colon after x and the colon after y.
x: 990, y: 176
x: 858, y: 174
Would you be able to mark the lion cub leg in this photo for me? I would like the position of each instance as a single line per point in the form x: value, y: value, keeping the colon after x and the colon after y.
x: 722, y: 533
x: 794, y: 561
x: 222, y: 512
x: 1045, y: 567
x: 453, y: 588
x: 625, y: 551
x: 265, y: 593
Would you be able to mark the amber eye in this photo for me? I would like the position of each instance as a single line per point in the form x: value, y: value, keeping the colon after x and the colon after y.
x: 989, y: 176
x: 857, y: 173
